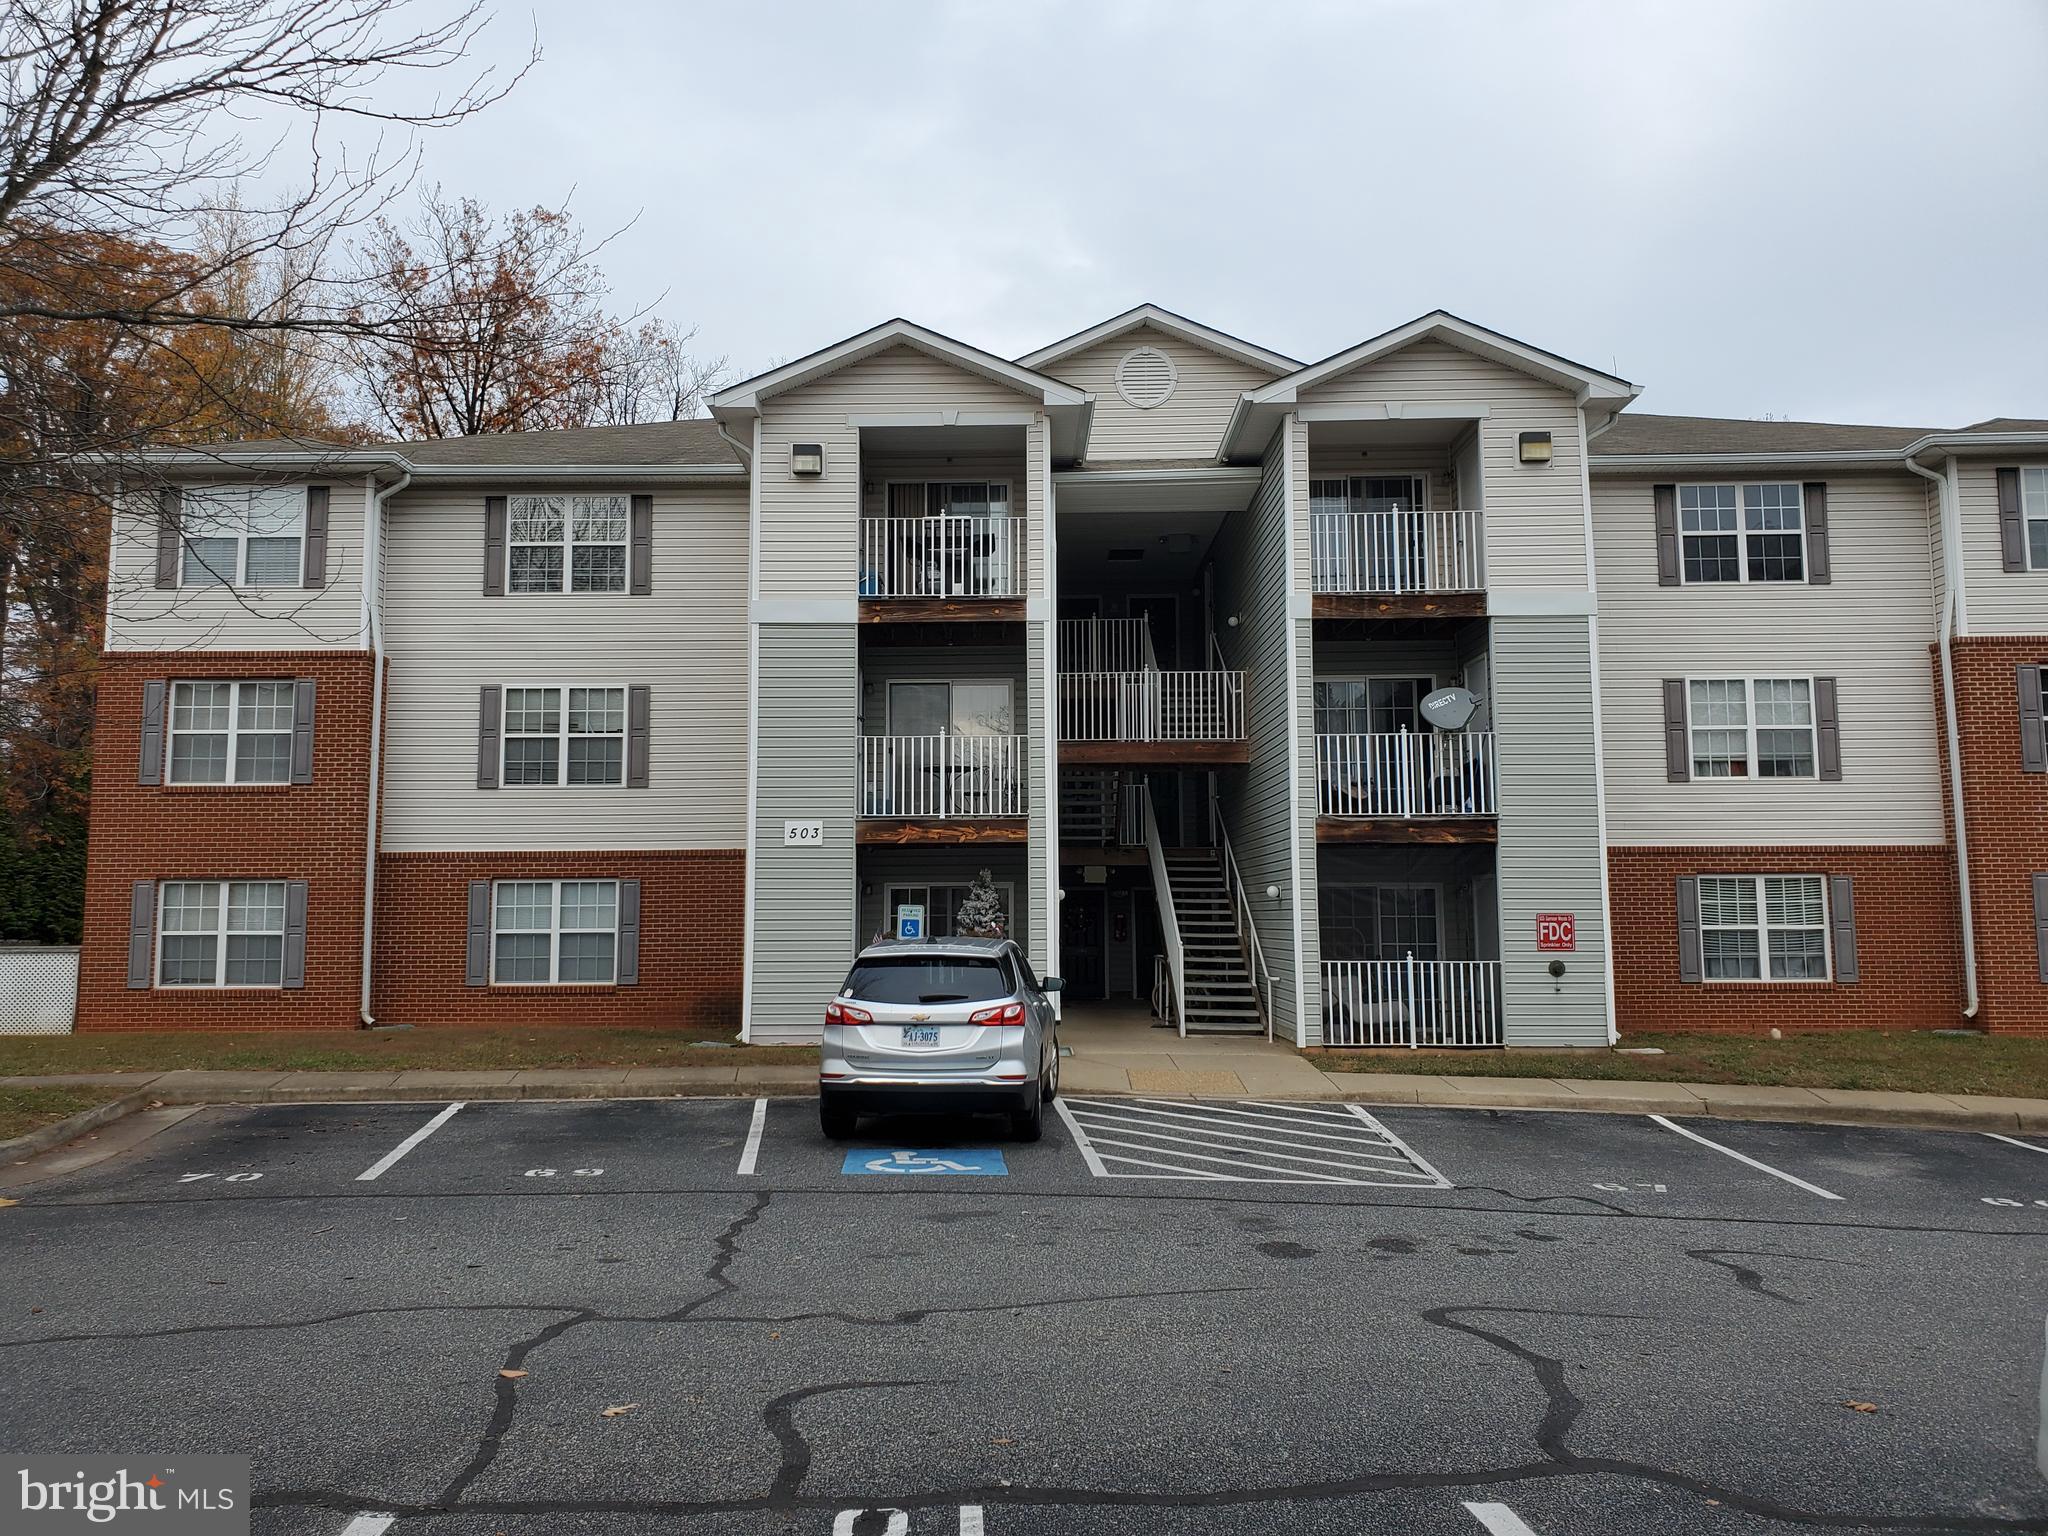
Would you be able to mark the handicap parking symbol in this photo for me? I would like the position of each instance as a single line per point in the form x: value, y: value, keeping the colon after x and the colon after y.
x: 985, y: 1161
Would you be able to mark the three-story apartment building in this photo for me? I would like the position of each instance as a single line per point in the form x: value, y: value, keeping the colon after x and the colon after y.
x: 1423, y: 695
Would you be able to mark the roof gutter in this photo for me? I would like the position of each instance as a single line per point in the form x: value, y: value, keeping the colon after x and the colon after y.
x: 1951, y: 547
x: 373, y: 609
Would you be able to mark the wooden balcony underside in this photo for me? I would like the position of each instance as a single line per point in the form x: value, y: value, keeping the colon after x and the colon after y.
x: 906, y: 832
x: 955, y: 610
x: 1143, y: 754
x: 1412, y: 829
x: 1405, y: 605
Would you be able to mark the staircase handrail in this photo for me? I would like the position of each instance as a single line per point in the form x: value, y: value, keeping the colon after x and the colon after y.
x: 1248, y: 931
x: 1169, y: 924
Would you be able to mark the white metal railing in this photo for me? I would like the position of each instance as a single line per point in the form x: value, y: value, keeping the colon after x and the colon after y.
x: 1151, y: 706
x: 1130, y: 826
x: 1106, y: 645
x: 1411, y: 1002
x: 942, y: 556
x: 1247, y: 930
x: 1406, y: 773
x: 941, y: 776
x: 38, y: 988
x: 1169, y: 924
x: 1397, y: 551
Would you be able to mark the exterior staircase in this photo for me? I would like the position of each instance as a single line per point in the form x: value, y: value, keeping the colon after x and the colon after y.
x: 1221, y: 997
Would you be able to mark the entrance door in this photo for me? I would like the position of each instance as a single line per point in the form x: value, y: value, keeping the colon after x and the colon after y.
x: 1081, y: 956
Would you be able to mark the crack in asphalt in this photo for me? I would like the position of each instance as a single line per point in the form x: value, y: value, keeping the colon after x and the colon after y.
x: 1751, y: 1279
x: 779, y: 1417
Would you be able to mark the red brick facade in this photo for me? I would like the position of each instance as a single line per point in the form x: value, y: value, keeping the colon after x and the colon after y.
x: 1908, y: 944
x: 313, y: 832
x: 2006, y: 819
x: 692, y: 924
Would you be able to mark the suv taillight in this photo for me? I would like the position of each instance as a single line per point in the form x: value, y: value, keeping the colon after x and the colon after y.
x: 846, y: 1013
x: 1002, y: 1013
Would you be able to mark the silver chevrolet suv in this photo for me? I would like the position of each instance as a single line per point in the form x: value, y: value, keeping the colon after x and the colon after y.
x: 940, y: 1024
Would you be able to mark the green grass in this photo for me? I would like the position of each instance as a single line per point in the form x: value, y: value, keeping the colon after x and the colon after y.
x: 346, y: 1050
x: 1914, y: 1061
x: 25, y: 1109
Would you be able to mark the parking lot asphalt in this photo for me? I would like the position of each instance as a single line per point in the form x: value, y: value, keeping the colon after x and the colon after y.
x: 1165, y: 1317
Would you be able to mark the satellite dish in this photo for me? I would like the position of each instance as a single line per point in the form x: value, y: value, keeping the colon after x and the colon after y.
x: 1449, y: 709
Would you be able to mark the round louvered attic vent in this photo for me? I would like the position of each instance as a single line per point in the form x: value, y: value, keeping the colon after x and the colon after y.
x: 1145, y: 378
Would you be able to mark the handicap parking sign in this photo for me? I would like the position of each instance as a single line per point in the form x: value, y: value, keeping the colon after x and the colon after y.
x: 910, y: 921
x: 946, y: 1161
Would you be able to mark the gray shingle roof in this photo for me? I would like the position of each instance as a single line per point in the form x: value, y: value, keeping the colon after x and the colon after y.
x: 2007, y: 424
x: 657, y: 442
x: 1634, y: 433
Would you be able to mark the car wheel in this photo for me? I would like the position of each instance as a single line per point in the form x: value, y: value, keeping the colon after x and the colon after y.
x: 1050, y: 1089
x: 1027, y: 1121
x: 836, y: 1120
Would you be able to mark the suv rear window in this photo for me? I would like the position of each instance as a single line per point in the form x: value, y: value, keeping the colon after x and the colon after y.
x: 928, y: 979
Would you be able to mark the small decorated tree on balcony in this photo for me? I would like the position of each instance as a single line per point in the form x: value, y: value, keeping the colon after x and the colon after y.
x: 981, y: 913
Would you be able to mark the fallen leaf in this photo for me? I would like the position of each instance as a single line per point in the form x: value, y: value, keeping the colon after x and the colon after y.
x: 1860, y: 1407
x: 613, y: 1413
x: 34, y: 1310
x: 10, y: 1202
x: 1002, y: 1442
x: 774, y: 1335
x: 511, y: 1375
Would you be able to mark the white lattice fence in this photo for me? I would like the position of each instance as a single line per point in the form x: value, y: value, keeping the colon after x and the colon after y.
x: 38, y: 989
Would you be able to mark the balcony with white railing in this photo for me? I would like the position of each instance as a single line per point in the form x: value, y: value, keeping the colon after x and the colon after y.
x: 1151, y: 707
x: 1407, y: 775
x: 1396, y: 552
x: 941, y: 778
x: 942, y: 557
x: 1411, y: 1002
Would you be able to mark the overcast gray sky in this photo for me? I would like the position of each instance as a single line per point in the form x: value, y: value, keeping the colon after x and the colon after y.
x: 1825, y: 210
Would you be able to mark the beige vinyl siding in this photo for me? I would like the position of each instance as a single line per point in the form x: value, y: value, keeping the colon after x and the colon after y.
x: 1549, y: 858
x: 1870, y: 628
x: 141, y: 618
x: 1189, y: 425
x: 2001, y: 602
x: 1535, y: 522
x: 803, y: 899
x: 810, y: 527
x: 687, y: 642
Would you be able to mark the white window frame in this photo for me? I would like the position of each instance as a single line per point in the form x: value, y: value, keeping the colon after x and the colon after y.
x: 554, y: 931
x: 926, y: 482
x: 206, y: 503
x: 569, y: 544
x: 890, y: 684
x: 1763, y: 934
x: 1369, y: 678
x: 562, y: 735
x: 1007, y: 889
x: 2033, y: 507
x: 220, y: 937
x: 234, y: 730
x: 1441, y: 915
x: 1743, y: 533
x: 1749, y: 728
x: 1421, y: 477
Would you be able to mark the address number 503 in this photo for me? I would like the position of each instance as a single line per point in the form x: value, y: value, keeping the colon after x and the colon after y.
x: 803, y: 834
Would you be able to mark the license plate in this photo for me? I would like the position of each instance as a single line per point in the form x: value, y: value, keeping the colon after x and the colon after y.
x: 920, y: 1034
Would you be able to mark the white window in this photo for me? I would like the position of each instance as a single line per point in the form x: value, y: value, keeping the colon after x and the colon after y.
x: 554, y: 932
x: 2034, y: 508
x: 1744, y: 727
x: 919, y: 708
x: 1742, y: 532
x: 243, y: 536
x: 1380, y: 922
x: 231, y: 733
x: 548, y: 741
x: 1357, y: 706
x: 580, y: 538
x: 220, y: 933
x: 941, y: 904
x: 1758, y: 927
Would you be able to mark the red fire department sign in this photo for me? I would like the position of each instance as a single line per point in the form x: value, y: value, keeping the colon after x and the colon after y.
x: 1555, y: 930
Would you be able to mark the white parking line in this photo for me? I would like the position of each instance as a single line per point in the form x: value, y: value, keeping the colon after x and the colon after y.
x: 1088, y: 1153
x: 1246, y: 1142
x: 379, y: 1167
x: 751, y: 1153
x: 1742, y: 1157
x: 368, y: 1525
x: 1499, y: 1519
x: 1412, y: 1155
x: 2014, y: 1141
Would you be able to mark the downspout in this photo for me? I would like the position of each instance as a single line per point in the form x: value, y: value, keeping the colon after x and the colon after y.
x: 1952, y: 571
x: 373, y: 612
x: 744, y: 450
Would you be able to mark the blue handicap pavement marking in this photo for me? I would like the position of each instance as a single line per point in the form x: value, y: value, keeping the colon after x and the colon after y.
x: 987, y: 1161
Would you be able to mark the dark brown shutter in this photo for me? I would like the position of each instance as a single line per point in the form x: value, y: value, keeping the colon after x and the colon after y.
x: 294, y: 973
x: 641, y: 555
x: 477, y: 967
x: 316, y: 536
x: 1842, y: 919
x: 1664, y: 499
x: 141, y: 932
x: 170, y: 536
x: 629, y: 933
x: 302, y: 730
x: 1827, y: 729
x: 2041, y: 922
x: 637, y: 711
x: 2033, y: 734
x: 1689, y: 970
x: 489, y: 702
x: 2012, y: 526
x: 1677, y: 749
x: 494, y: 546
x: 151, y: 769
x: 1819, y: 569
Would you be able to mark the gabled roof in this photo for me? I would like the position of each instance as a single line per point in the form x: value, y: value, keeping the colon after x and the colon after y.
x: 745, y: 397
x: 1441, y: 325
x: 1190, y: 331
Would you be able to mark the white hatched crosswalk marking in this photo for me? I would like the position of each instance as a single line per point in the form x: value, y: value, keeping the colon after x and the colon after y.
x: 1242, y: 1141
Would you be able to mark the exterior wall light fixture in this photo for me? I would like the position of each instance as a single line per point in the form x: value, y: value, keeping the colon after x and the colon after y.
x: 1534, y: 447
x: 807, y: 459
